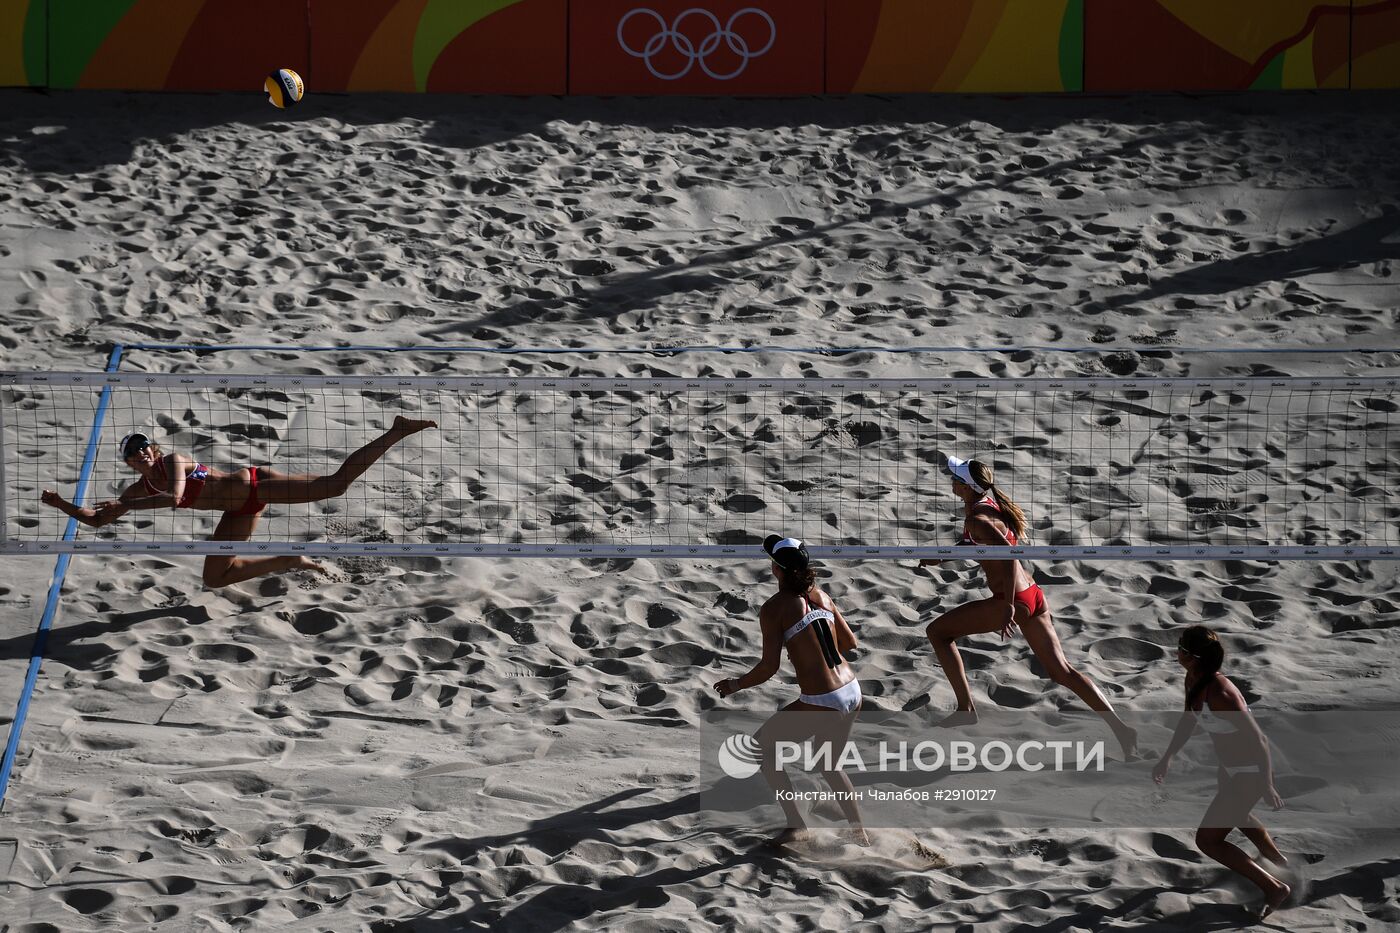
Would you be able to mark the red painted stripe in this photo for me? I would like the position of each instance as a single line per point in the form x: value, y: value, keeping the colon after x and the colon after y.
x: 1262, y: 62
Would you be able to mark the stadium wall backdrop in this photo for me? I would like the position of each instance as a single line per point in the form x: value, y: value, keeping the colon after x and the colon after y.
x: 719, y: 47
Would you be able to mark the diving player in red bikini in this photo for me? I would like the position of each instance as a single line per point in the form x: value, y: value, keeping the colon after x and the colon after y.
x: 175, y: 481
x: 991, y: 518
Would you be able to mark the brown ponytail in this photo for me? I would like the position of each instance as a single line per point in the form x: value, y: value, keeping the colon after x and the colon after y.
x: 1010, y: 511
x: 798, y: 581
x: 1203, y: 645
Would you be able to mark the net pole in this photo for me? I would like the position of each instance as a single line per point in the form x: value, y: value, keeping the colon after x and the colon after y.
x: 60, y: 573
x: 4, y: 499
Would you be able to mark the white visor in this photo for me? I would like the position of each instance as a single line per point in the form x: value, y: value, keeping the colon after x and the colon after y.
x: 786, y: 542
x: 960, y: 469
x: 121, y: 445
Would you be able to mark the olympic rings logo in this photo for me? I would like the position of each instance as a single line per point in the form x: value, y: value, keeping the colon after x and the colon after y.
x: 693, y: 54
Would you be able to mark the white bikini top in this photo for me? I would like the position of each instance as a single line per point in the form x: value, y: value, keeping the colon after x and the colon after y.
x: 1217, y: 723
x: 820, y: 621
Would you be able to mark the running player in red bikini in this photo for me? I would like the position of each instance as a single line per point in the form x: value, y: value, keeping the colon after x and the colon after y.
x: 992, y: 518
x: 175, y: 481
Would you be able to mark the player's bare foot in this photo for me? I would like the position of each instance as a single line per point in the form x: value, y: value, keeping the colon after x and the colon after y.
x: 962, y: 717
x: 788, y: 837
x: 406, y: 426
x: 306, y: 563
x: 1275, y: 900
x: 856, y: 835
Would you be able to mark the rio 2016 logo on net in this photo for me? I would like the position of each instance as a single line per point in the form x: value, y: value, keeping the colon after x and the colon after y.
x: 748, y: 34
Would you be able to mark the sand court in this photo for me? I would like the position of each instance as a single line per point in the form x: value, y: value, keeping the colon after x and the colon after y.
x: 441, y: 743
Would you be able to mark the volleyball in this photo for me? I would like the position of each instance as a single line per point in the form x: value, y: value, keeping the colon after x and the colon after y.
x: 284, y: 88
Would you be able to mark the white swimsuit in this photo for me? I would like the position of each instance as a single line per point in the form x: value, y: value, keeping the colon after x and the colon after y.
x: 844, y: 698
x: 1217, y: 724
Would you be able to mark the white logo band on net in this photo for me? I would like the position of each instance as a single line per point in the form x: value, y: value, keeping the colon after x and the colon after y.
x: 671, y: 35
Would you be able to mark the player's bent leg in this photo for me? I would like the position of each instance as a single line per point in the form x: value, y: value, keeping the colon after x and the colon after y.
x: 1212, y: 842
x: 224, y: 571
x: 784, y: 726
x: 1040, y: 635
x: 281, y: 488
x: 362, y: 459
x: 975, y: 618
x: 1256, y: 833
x: 1039, y: 630
x: 276, y: 488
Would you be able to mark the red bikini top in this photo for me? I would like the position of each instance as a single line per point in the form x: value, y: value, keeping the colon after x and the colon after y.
x: 987, y: 502
x: 194, y: 483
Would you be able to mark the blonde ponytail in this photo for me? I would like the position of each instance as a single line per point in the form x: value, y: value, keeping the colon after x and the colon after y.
x: 1011, y: 513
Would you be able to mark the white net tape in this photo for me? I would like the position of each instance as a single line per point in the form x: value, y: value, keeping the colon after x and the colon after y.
x: 1104, y: 468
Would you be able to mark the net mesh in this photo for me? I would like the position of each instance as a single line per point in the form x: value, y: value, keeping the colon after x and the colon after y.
x: 689, y: 466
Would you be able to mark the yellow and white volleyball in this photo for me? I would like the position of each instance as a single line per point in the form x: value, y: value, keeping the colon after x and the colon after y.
x: 284, y: 88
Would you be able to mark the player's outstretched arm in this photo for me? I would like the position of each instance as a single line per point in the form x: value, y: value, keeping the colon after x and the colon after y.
x: 103, y: 513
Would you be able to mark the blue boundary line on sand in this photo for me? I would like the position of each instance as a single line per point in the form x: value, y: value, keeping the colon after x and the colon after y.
x: 60, y: 572
x: 662, y: 350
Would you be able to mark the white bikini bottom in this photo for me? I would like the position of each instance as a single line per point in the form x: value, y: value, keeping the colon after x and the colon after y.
x: 843, y: 699
x: 1233, y: 770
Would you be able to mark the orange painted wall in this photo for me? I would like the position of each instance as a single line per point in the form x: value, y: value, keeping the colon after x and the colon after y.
x: 913, y: 46
x: 1209, y: 45
x: 174, y: 45
x: 1375, y: 44
x: 687, y: 46
x: 459, y: 46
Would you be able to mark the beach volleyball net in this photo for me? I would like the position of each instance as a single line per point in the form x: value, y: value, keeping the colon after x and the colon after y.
x: 597, y: 467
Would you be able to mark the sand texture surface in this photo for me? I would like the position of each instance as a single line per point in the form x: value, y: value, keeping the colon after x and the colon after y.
x: 437, y: 744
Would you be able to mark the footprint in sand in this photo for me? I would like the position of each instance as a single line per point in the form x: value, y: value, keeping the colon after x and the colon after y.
x: 1128, y: 649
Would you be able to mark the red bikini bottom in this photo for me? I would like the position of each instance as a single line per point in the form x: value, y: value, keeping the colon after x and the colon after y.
x: 1033, y: 598
x: 254, y: 505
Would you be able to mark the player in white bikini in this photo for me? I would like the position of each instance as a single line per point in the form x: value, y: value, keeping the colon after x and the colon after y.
x: 803, y: 619
x: 1246, y: 770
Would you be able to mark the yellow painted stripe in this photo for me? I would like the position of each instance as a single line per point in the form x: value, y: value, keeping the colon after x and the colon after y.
x: 1298, y: 65
x: 12, y: 14
x: 986, y: 15
x: 1023, y: 54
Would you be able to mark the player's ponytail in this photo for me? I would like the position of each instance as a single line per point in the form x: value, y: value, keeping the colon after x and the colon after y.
x: 1011, y: 512
x: 798, y: 581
